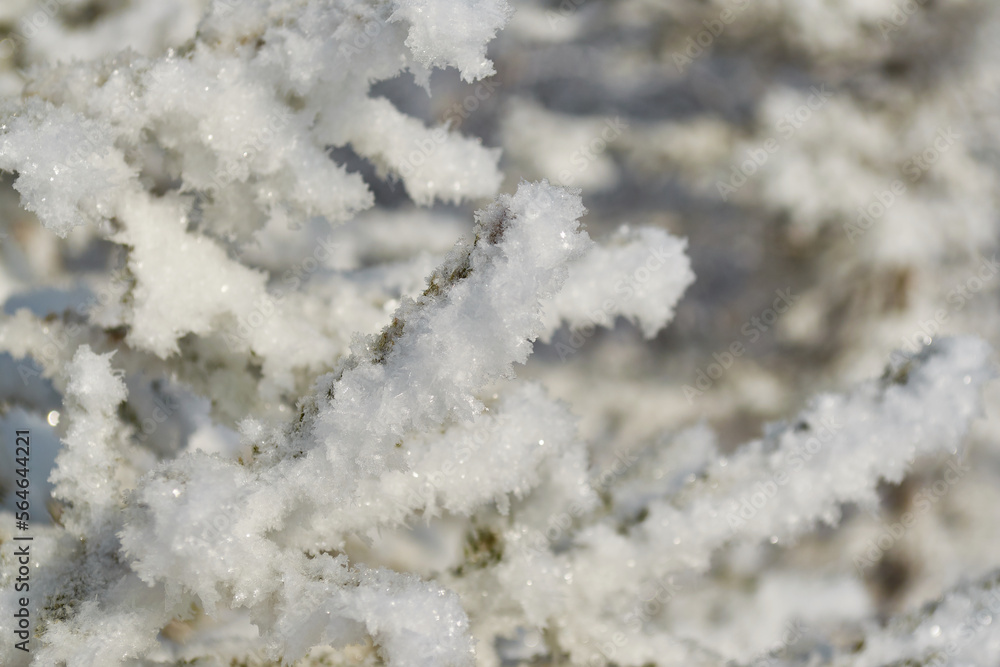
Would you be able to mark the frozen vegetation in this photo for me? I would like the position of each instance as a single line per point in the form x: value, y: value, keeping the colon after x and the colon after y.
x: 439, y: 333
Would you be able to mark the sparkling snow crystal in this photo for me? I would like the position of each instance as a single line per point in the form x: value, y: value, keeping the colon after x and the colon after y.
x: 367, y: 332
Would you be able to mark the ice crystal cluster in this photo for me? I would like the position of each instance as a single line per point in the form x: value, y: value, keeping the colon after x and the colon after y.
x: 325, y: 362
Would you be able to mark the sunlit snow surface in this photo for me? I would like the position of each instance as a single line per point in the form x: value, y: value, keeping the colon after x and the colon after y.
x: 475, y: 332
